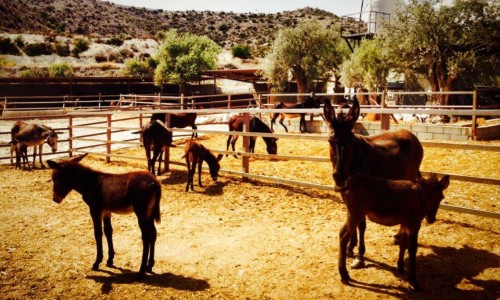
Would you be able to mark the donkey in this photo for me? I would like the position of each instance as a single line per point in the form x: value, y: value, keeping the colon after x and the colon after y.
x: 390, y: 203
x: 21, y: 149
x: 391, y: 155
x: 33, y: 135
x: 179, y: 120
x: 256, y: 125
x: 105, y: 193
x: 311, y: 102
x: 195, y: 154
x: 156, y: 137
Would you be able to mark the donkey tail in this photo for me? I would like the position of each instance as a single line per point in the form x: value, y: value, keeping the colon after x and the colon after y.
x: 156, y: 208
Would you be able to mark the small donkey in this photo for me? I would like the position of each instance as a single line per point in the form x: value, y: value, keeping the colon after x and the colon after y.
x: 195, y: 154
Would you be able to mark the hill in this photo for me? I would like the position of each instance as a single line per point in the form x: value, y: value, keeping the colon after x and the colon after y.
x: 105, y: 19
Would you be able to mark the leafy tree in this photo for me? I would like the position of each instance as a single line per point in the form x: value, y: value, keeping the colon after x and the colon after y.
x: 445, y: 42
x: 367, y: 66
x: 307, y: 52
x: 183, y: 57
x: 241, y: 51
x: 61, y: 70
x: 135, y: 67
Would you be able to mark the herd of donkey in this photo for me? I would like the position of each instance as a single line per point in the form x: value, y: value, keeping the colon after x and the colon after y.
x: 377, y: 176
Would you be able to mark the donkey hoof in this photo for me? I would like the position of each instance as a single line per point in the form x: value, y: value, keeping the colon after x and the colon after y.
x: 95, y: 266
x: 358, y: 263
x: 109, y: 264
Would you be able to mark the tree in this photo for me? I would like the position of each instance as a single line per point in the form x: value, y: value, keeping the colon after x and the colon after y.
x: 445, y: 42
x: 368, y: 66
x: 308, y: 52
x: 183, y: 58
x: 135, y: 67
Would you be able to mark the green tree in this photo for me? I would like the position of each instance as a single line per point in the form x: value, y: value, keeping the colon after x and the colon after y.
x: 61, y: 70
x: 307, y: 52
x: 183, y: 57
x: 135, y: 67
x: 367, y: 66
x: 444, y: 42
x: 241, y: 51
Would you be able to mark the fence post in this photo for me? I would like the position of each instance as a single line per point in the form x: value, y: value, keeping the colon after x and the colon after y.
x: 474, y: 117
x: 108, y: 139
x: 182, y: 101
x: 228, y: 101
x: 385, y: 121
x: 166, y: 152
x: 70, y: 135
x: 246, y: 144
x: 99, y: 101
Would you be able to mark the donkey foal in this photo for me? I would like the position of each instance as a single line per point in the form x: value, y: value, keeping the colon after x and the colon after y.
x: 390, y: 203
x: 195, y: 154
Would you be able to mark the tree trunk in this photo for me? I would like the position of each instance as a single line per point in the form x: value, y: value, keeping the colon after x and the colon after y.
x: 301, y: 79
x: 433, y: 79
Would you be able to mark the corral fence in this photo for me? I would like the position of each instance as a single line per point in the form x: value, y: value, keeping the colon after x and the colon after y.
x: 105, y: 133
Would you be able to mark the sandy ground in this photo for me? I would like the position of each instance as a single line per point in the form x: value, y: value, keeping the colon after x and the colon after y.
x: 238, y: 239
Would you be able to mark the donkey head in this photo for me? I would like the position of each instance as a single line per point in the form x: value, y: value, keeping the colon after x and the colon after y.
x: 63, y: 177
x: 341, y: 140
x: 51, y: 139
x: 432, y: 193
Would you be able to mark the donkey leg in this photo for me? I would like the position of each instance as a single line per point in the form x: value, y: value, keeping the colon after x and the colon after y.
x: 344, y: 236
x: 195, y: 134
x: 160, y: 159
x: 34, y: 156
x: 97, y: 220
x: 146, y: 241
x: 40, y: 156
x: 412, y: 253
x: 233, y: 143
x: 359, y: 261
x: 108, y: 232
x: 282, y: 124
x: 152, y: 236
x: 353, y: 242
x: 229, y: 138
x: 403, y: 245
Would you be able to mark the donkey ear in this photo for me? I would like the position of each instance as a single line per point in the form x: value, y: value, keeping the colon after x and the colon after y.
x: 353, y: 114
x: 78, y: 158
x: 54, y: 165
x: 444, y: 182
x: 219, y: 157
x: 329, y: 112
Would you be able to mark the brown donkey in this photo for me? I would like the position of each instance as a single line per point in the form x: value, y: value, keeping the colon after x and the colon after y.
x: 21, y: 149
x: 195, y: 154
x: 34, y: 135
x: 390, y: 203
x: 105, y: 193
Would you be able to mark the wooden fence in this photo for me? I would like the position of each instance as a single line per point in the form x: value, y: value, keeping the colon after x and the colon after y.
x: 107, y: 127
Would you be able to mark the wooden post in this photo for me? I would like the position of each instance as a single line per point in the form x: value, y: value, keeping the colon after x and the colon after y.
x: 166, y: 151
x: 385, y: 121
x: 246, y: 143
x: 474, y: 117
x: 228, y: 101
x: 108, y: 139
x: 182, y: 101
x: 70, y: 135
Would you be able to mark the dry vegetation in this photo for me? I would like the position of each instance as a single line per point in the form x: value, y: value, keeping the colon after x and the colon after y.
x: 239, y: 239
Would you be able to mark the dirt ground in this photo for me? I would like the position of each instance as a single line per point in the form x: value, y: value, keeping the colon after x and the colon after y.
x: 238, y: 239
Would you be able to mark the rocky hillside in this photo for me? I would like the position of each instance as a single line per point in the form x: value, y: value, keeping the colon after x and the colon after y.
x: 97, y: 18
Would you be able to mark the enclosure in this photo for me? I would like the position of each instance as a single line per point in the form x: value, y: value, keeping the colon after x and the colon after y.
x: 245, y: 238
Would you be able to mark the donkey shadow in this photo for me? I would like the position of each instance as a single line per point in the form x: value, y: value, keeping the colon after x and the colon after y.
x: 165, y: 280
x: 448, y: 273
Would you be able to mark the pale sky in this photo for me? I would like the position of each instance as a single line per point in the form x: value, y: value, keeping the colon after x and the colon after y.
x: 337, y: 7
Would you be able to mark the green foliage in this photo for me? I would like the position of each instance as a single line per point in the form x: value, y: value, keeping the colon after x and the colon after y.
x: 37, y: 49
x: 183, y: 57
x: 62, y: 49
x: 33, y: 73
x: 135, y: 67
x: 79, y: 45
x: 366, y: 66
x: 445, y: 42
x: 61, y: 70
x: 307, y: 52
x: 8, y: 47
x: 241, y: 51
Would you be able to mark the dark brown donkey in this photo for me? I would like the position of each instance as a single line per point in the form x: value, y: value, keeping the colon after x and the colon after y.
x: 256, y: 125
x: 195, y: 154
x: 21, y: 149
x: 390, y: 203
x: 33, y: 135
x: 105, y: 193
x: 155, y: 137
x: 391, y: 155
x: 178, y: 120
x: 311, y: 102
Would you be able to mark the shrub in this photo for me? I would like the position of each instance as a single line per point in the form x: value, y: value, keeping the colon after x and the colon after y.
x: 19, y: 41
x: 61, y: 70
x: 135, y: 67
x: 62, y: 49
x: 8, y: 47
x: 100, y: 57
x: 80, y: 45
x: 37, y: 49
x: 33, y: 73
x: 241, y: 51
x: 115, y: 41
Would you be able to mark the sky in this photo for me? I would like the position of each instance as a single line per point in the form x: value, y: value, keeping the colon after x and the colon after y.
x: 337, y: 7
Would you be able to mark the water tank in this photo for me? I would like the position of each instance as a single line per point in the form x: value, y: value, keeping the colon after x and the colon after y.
x: 377, y: 11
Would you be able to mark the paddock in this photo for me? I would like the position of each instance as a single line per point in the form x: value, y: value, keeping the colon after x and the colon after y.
x: 265, y: 230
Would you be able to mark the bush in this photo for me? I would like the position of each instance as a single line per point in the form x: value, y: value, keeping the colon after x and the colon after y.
x: 8, y: 47
x: 80, y: 45
x: 241, y: 51
x: 115, y: 41
x: 62, y: 49
x: 33, y: 73
x: 100, y: 57
x: 37, y: 49
x: 61, y: 70
x: 135, y: 67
